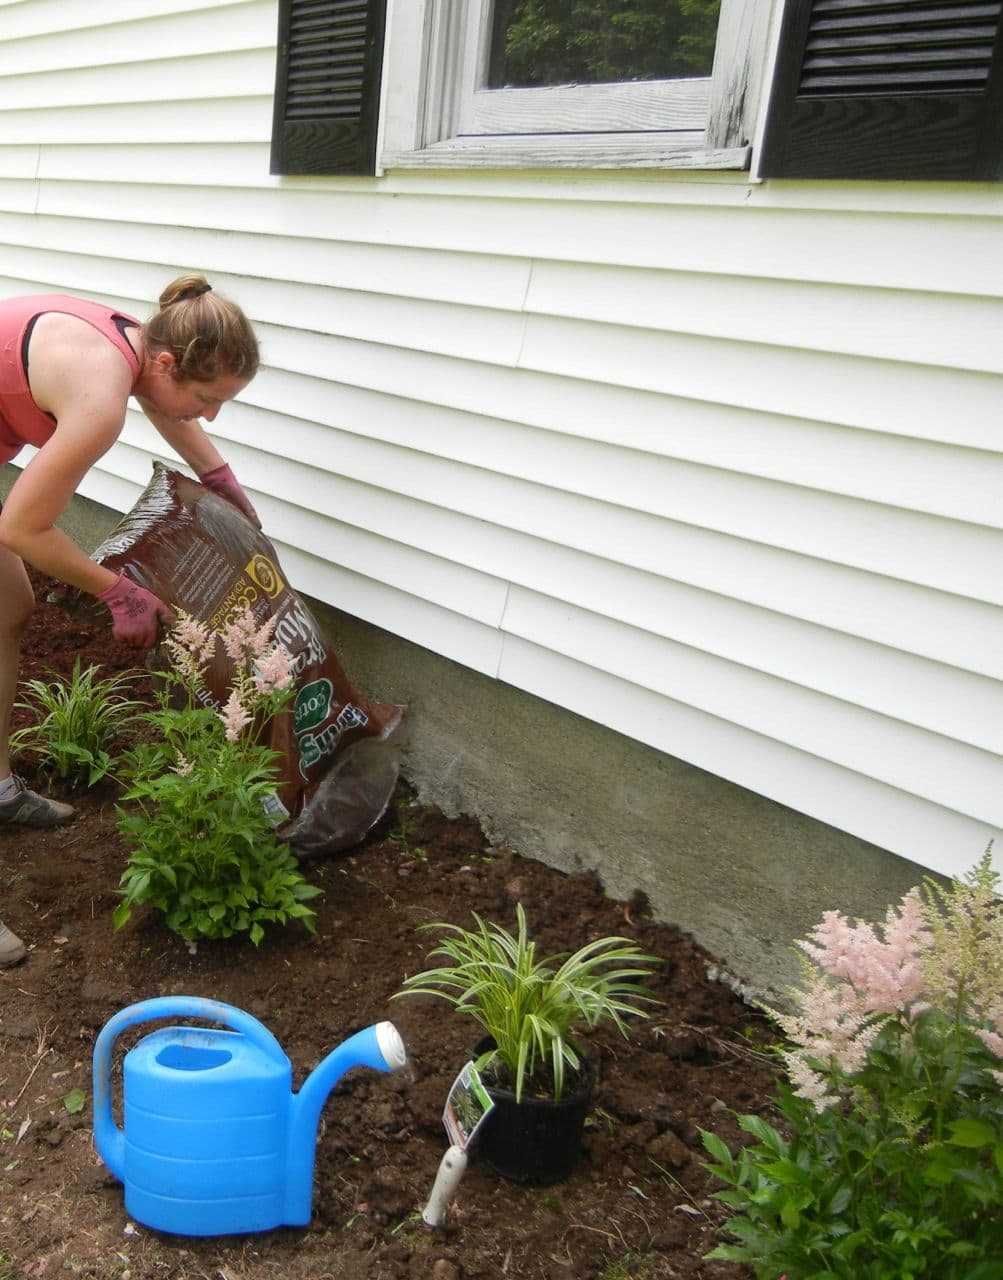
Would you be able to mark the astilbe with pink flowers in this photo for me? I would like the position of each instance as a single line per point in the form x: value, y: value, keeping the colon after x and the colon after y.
x: 964, y: 967
x: 191, y: 646
x: 260, y: 666
x: 888, y: 1160
x: 201, y: 807
x: 235, y: 717
x: 939, y: 949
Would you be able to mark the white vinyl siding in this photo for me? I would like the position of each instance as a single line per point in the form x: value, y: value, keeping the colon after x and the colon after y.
x: 715, y: 464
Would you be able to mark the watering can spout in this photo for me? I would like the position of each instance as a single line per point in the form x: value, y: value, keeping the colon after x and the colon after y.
x: 379, y: 1047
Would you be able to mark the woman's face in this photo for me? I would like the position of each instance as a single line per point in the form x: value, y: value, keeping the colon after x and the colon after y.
x: 181, y: 399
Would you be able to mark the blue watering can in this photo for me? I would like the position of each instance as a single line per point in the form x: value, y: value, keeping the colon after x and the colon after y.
x: 214, y: 1141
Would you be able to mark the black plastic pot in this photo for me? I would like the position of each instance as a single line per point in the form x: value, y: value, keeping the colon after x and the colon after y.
x: 535, y: 1141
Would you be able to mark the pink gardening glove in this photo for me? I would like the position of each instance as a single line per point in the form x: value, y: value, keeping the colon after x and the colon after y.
x: 136, y: 614
x: 221, y: 480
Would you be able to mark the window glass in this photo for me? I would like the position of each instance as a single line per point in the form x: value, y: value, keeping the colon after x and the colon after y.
x: 558, y: 42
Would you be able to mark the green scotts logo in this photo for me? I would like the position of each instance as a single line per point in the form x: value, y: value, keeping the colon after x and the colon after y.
x: 314, y: 747
x: 313, y: 705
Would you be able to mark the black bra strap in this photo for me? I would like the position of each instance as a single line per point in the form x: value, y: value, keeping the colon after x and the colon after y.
x: 24, y: 343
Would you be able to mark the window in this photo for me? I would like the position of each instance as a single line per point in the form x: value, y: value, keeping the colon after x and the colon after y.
x: 492, y: 83
x: 902, y: 89
x: 556, y: 42
x: 586, y: 66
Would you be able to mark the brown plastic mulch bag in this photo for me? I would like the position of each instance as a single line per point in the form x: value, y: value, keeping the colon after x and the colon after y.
x: 198, y: 553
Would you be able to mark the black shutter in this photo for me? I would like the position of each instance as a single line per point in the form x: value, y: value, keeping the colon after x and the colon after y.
x: 327, y: 86
x: 887, y: 90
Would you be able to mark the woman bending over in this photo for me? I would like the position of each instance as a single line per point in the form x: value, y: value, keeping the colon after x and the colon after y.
x: 67, y: 370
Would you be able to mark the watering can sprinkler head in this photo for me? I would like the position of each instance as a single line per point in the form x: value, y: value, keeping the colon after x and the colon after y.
x: 214, y: 1141
x: 391, y: 1046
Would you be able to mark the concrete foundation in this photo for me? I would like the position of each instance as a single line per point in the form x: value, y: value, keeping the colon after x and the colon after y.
x: 744, y: 875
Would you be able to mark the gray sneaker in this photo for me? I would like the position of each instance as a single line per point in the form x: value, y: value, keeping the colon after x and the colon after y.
x: 28, y: 809
x: 12, y: 949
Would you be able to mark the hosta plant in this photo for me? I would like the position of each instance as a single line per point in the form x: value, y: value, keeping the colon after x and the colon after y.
x: 199, y: 805
x: 887, y: 1160
x: 77, y: 723
x: 529, y: 1006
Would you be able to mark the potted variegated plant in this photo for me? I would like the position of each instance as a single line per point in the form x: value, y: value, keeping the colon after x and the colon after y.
x: 537, y: 1075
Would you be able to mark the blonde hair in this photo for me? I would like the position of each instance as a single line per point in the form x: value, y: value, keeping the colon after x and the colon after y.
x: 209, y: 336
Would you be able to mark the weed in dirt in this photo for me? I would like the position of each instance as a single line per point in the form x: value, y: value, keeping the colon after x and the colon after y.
x: 391, y: 901
x: 629, y: 1267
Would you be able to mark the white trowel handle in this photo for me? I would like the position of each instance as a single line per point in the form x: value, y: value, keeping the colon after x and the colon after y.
x: 452, y: 1167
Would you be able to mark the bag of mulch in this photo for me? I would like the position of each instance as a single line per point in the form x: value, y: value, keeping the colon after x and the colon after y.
x: 339, y: 751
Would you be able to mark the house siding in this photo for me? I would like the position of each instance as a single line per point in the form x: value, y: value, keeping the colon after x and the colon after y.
x: 711, y: 463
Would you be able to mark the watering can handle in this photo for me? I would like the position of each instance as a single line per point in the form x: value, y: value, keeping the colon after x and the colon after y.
x: 186, y: 1007
x: 167, y: 1007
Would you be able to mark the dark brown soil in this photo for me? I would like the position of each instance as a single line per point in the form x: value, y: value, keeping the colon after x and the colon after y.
x: 637, y: 1207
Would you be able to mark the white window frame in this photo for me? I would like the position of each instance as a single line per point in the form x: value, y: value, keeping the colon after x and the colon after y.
x: 438, y: 114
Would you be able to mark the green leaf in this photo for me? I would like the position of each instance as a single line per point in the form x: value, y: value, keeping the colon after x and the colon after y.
x: 716, y: 1147
x: 989, y: 1269
x: 789, y: 1215
x: 737, y: 1199
x: 732, y: 1253
x: 785, y: 1171
x: 969, y: 1132
x: 74, y: 1101
x: 766, y: 1133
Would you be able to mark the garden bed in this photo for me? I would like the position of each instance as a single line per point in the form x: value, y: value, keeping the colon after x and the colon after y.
x: 638, y: 1206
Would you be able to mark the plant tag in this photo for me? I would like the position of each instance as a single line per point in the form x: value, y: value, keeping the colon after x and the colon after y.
x: 468, y: 1105
x: 275, y: 810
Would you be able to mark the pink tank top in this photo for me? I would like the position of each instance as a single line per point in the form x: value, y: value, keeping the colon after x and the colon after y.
x: 21, y: 420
